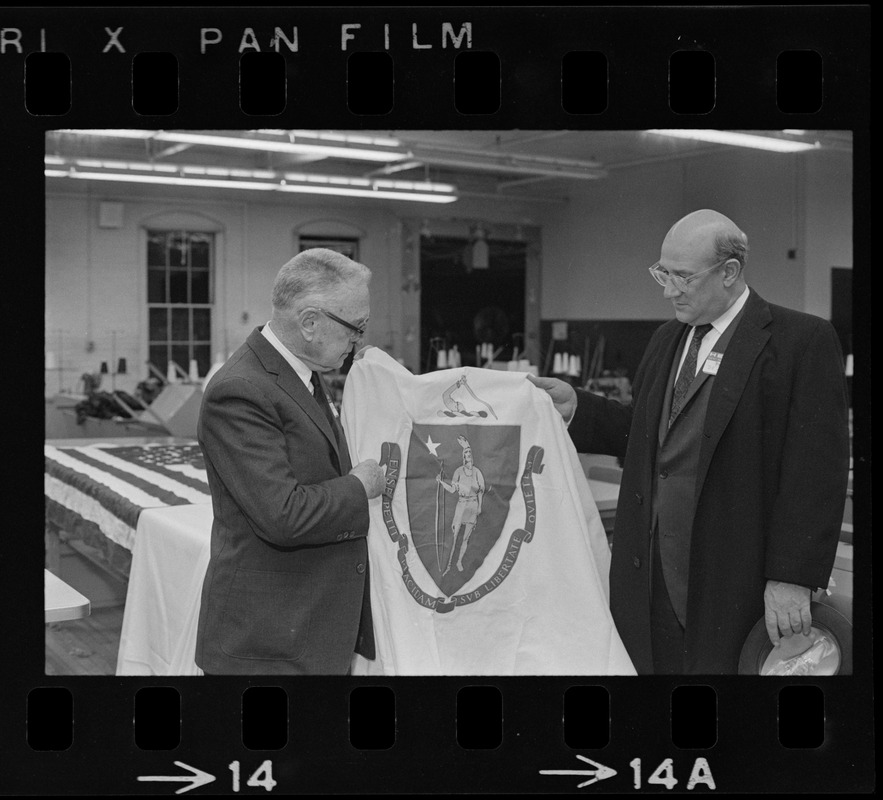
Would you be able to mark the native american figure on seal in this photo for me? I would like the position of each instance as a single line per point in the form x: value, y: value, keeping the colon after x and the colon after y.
x: 468, y: 482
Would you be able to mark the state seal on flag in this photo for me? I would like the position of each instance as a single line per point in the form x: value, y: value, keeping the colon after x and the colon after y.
x: 459, y: 481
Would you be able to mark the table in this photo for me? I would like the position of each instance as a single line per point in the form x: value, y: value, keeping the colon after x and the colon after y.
x: 169, y: 560
x: 170, y: 557
x: 62, y: 602
x: 96, y: 489
x: 840, y: 585
x: 606, y: 496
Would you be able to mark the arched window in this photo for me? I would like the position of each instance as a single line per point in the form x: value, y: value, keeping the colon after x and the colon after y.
x: 180, y: 268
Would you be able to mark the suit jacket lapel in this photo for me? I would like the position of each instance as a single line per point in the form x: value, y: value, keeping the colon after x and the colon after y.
x: 659, y: 396
x: 288, y: 380
x: 748, y: 340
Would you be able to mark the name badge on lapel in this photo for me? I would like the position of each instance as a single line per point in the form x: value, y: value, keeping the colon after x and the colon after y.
x: 712, y: 363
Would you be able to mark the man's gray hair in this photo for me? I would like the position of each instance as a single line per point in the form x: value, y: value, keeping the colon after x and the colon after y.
x: 731, y: 245
x: 314, y: 275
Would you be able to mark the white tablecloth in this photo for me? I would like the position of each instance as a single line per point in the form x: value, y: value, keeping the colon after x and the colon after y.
x: 169, y: 560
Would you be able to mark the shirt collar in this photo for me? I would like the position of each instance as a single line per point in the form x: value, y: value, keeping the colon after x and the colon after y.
x: 302, y: 370
x: 721, y: 323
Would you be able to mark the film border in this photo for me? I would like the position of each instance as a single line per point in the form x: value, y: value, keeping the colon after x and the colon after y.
x: 529, y: 42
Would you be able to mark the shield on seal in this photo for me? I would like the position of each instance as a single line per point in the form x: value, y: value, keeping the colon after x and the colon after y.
x: 459, y: 481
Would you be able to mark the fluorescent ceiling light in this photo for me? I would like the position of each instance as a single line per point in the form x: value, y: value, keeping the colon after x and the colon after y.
x: 166, y: 180
x: 117, y: 133
x: 738, y: 139
x: 335, y: 136
x: 183, y: 170
x: 271, y: 146
x: 514, y: 163
x: 339, y: 186
x: 359, y: 148
x: 377, y: 194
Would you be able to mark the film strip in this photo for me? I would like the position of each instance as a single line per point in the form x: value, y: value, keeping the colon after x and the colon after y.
x: 450, y: 68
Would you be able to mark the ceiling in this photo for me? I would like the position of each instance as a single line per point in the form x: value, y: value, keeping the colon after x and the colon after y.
x: 514, y: 164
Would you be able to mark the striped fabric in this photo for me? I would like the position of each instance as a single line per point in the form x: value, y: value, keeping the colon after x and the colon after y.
x: 110, y: 484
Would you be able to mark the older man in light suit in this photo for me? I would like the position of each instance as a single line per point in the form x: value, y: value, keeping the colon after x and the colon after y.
x: 736, y: 458
x: 286, y: 591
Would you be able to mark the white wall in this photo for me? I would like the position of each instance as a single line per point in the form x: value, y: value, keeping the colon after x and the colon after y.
x: 828, y: 234
x: 96, y: 307
x: 597, y: 250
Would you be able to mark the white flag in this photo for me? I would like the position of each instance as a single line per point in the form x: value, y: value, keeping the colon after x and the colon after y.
x: 487, y: 553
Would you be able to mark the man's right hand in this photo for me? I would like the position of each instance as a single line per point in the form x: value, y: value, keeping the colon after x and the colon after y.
x: 372, y: 476
x: 562, y: 394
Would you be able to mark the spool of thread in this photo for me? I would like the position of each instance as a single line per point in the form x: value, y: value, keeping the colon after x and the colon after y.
x: 557, y: 366
x: 103, y: 369
x: 442, y: 360
x: 121, y: 367
x: 573, y: 370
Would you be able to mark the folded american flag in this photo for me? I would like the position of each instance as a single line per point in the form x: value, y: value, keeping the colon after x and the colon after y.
x: 110, y: 484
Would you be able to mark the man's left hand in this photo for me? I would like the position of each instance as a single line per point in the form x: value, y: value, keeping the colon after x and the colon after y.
x: 787, y: 610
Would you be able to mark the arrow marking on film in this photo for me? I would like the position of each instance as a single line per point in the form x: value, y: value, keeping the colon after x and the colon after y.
x: 600, y: 772
x: 196, y: 778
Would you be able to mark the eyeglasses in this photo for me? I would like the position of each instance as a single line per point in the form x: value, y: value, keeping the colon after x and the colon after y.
x: 680, y: 282
x: 357, y: 332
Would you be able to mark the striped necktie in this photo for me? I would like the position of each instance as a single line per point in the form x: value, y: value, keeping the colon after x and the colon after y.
x: 688, y: 371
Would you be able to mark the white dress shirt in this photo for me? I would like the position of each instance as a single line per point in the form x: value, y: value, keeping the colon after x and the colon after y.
x: 302, y: 370
x: 717, y: 328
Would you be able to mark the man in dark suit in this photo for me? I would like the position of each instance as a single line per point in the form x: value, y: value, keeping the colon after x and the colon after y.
x: 286, y: 591
x: 736, y: 458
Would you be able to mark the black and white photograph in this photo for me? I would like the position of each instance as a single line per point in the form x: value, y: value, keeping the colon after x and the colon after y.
x: 437, y: 400
x: 473, y: 301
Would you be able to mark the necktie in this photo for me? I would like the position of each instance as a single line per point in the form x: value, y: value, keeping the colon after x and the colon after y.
x: 322, y: 399
x: 688, y: 371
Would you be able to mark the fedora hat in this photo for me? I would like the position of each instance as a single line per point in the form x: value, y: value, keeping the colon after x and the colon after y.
x: 827, y: 650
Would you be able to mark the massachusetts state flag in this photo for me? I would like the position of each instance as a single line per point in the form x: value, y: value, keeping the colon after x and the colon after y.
x: 487, y: 553
x: 110, y: 484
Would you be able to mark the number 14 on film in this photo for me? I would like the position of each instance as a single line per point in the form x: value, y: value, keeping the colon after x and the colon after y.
x: 262, y: 776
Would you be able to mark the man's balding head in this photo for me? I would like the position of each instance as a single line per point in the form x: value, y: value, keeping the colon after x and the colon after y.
x: 709, y: 234
x: 693, y: 246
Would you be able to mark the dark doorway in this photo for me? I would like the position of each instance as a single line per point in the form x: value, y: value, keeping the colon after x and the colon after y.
x: 465, y: 305
x: 841, y: 306
x: 841, y: 315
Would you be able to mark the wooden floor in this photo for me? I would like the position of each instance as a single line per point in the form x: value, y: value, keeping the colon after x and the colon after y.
x: 87, y: 646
